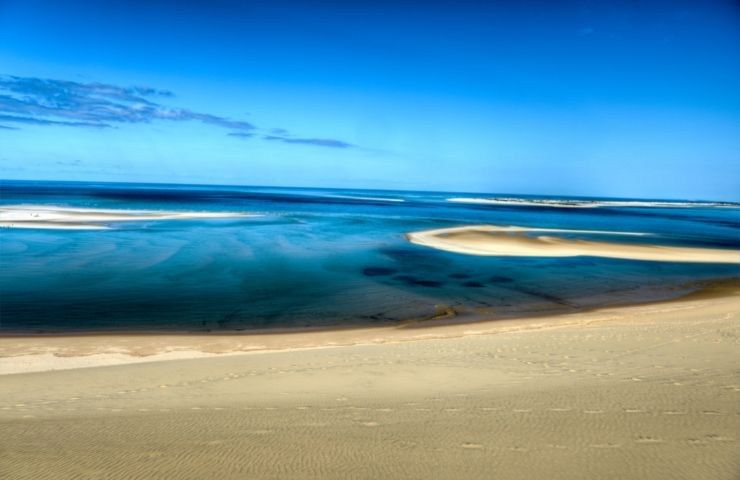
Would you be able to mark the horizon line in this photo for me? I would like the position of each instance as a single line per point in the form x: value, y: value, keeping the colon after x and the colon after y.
x: 510, y: 194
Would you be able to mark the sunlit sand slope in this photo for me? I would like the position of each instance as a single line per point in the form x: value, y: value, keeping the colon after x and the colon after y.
x: 645, y: 392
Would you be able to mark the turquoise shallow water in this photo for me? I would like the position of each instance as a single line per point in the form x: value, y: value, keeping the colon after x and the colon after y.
x: 319, y: 257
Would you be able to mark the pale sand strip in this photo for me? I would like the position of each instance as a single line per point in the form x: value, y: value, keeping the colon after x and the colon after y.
x: 648, y: 392
x: 68, y: 218
x: 493, y: 240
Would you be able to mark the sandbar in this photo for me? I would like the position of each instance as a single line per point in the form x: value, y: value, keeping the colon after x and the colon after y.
x: 69, y: 218
x: 494, y: 240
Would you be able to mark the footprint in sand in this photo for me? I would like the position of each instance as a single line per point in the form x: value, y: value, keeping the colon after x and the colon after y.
x: 648, y: 440
x: 718, y: 438
x: 696, y: 441
x: 472, y: 446
x: 370, y: 424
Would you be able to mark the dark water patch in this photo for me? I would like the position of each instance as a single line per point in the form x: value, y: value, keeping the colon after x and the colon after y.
x: 413, y: 281
x: 378, y: 271
x: 473, y: 285
x: 459, y: 276
x: 423, y: 262
x: 573, y: 262
x: 543, y: 295
x: 500, y: 279
x: 230, y: 196
x: 406, y: 254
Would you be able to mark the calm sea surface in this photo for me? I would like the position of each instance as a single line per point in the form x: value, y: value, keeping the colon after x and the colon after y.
x: 319, y: 257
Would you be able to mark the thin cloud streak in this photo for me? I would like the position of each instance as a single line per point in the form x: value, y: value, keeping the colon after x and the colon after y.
x: 41, y: 121
x: 320, y: 142
x: 49, y: 102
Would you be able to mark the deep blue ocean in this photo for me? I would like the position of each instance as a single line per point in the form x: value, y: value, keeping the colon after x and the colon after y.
x: 321, y: 257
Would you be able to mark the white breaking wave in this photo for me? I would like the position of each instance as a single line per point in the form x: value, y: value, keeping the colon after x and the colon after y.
x: 574, y: 203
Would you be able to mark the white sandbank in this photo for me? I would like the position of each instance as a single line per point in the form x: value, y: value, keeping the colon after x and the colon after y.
x: 68, y: 218
x: 492, y: 240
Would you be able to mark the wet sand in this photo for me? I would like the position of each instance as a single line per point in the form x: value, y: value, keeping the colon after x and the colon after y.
x: 517, y: 241
x: 648, y: 391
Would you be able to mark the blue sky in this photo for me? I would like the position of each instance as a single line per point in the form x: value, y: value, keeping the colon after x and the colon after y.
x: 635, y: 99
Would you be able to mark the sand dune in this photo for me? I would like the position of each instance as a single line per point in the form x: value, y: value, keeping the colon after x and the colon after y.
x: 516, y: 241
x: 67, y: 218
x: 648, y: 391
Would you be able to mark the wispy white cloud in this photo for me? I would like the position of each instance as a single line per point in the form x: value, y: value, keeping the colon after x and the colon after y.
x: 49, y: 102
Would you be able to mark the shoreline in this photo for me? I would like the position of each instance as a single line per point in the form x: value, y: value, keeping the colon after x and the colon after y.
x: 631, y: 392
x: 27, y: 353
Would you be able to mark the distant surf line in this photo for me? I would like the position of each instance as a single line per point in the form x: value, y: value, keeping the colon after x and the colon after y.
x: 575, y: 203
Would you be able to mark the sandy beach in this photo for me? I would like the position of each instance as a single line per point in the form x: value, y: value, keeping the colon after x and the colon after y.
x: 514, y: 241
x: 646, y: 391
